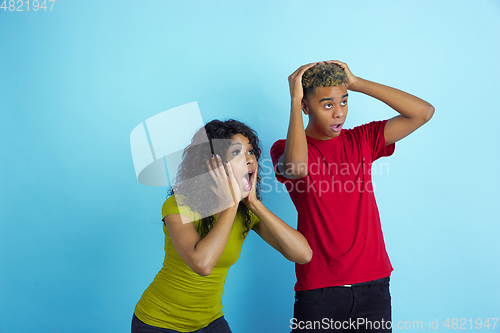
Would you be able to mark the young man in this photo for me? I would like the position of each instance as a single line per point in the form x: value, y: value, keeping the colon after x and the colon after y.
x: 327, y: 172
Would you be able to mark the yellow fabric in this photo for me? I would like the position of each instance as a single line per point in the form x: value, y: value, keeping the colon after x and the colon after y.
x: 178, y: 298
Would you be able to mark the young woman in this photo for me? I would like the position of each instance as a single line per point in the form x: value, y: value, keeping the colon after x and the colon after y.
x: 213, y: 204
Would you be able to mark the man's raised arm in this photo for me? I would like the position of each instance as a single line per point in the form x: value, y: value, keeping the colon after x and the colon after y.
x: 293, y: 163
x: 414, y: 112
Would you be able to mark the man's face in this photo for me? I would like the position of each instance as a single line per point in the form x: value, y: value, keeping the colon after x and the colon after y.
x: 327, y: 110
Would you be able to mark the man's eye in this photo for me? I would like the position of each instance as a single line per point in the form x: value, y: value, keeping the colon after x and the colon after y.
x: 343, y: 103
x: 328, y: 106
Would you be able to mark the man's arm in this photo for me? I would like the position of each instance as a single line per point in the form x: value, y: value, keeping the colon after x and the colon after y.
x: 414, y: 112
x: 293, y: 163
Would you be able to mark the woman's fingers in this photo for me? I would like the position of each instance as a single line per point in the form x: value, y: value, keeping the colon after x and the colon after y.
x: 254, y: 178
x: 235, y: 189
x: 218, y: 173
x: 226, y: 186
x: 230, y: 172
x: 219, y: 168
x: 214, y: 170
x: 211, y: 172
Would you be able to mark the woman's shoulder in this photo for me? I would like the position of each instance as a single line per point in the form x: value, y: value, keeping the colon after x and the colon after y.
x: 240, y: 220
x: 175, y: 205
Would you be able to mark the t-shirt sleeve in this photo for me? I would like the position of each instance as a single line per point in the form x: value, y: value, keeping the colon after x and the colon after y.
x: 374, y: 133
x: 277, y: 150
x: 173, y: 205
x: 254, y: 220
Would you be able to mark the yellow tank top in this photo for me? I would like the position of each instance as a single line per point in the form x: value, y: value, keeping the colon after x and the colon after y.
x: 178, y: 298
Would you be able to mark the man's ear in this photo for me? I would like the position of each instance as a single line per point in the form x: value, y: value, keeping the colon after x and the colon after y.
x: 304, y: 106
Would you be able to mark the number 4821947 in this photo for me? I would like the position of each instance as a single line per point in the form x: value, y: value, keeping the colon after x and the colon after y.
x: 17, y: 6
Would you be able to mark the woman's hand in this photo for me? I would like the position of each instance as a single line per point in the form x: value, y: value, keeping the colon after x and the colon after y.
x: 226, y: 187
x: 202, y: 254
x: 251, y: 200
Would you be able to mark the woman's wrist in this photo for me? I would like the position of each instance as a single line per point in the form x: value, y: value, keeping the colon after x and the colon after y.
x: 255, y: 206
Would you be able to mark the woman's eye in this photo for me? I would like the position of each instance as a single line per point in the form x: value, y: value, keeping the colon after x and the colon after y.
x: 235, y: 152
x: 251, y: 152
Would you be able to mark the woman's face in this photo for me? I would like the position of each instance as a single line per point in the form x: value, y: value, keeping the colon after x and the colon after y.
x: 240, y: 155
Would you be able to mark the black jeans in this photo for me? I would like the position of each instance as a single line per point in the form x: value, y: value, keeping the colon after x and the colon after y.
x: 363, y: 307
x: 219, y: 325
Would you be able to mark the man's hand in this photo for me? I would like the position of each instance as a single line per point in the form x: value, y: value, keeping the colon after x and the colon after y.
x: 414, y: 112
x: 295, y: 82
x: 351, y: 79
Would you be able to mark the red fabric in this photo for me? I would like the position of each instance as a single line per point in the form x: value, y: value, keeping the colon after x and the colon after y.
x: 337, y: 212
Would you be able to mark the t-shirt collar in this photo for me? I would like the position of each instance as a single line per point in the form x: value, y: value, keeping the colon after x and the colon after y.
x: 319, y: 142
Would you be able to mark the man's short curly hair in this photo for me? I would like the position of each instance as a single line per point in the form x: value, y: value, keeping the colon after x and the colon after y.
x: 323, y: 75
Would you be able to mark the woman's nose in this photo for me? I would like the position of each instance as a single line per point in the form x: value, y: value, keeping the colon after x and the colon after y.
x: 250, y: 159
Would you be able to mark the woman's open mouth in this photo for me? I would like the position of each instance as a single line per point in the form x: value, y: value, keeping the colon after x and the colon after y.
x: 247, y: 180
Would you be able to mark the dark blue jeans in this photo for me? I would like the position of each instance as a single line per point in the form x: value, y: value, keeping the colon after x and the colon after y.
x: 363, y: 307
x: 219, y: 325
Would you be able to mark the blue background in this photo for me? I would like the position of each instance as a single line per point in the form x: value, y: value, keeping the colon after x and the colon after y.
x: 80, y: 237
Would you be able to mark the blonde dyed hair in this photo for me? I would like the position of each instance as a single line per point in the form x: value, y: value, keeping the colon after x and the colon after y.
x: 323, y: 75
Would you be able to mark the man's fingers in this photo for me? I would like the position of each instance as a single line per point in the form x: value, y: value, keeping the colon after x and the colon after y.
x: 340, y: 63
x: 306, y: 67
x: 302, y: 69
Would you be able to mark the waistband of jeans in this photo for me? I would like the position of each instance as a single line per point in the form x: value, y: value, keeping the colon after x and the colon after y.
x: 368, y: 283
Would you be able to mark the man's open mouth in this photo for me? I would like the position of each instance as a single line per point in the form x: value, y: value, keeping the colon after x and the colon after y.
x: 337, y: 127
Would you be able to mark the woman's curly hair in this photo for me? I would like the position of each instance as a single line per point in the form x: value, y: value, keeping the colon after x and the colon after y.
x: 195, y: 190
x: 322, y: 75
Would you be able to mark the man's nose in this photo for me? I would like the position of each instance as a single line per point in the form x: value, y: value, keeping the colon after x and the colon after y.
x: 338, y: 112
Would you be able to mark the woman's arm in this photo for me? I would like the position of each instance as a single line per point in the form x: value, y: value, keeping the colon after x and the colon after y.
x: 286, y: 240
x: 199, y: 254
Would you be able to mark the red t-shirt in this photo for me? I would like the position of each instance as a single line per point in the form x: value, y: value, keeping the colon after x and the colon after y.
x: 337, y: 212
